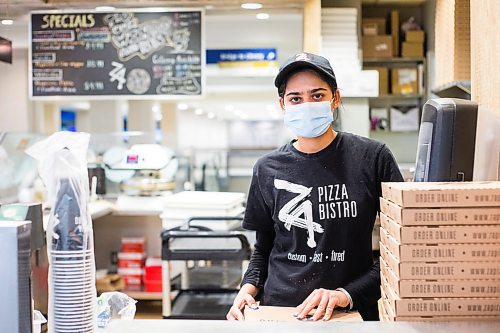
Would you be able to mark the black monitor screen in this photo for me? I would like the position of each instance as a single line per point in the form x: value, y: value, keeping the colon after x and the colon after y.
x: 5, y: 50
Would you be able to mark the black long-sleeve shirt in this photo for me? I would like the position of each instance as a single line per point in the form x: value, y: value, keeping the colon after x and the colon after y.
x: 314, y: 216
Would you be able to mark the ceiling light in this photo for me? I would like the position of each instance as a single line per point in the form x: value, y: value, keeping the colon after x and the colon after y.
x: 211, y: 115
x: 105, y: 8
x: 244, y: 116
x: 229, y: 108
x: 198, y: 111
x: 182, y: 106
x: 251, y: 5
x: 262, y: 16
x: 7, y: 22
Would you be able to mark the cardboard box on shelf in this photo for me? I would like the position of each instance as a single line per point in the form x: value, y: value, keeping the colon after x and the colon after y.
x: 404, y: 81
x: 440, y: 216
x: 441, y: 234
x: 439, y: 288
x: 443, y: 194
x: 285, y: 314
x: 383, y: 79
x: 415, y: 36
x: 412, y: 50
x: 110, y: 282
x: 374, y: 26
x: 377, y: 46
x: 395, y: 32
x: 370, y: 29
x: 441, y: 270
x: 417, y: 307
x: 440, y: 252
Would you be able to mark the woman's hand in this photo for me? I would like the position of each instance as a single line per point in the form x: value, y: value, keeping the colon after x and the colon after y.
x: 326, y: 300
x: 245, y: 297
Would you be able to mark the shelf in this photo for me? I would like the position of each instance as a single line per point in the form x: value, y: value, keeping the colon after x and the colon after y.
x: 393, y: 60
x: 140, y: 294
x: 381, y: 132
x: 391, y: 97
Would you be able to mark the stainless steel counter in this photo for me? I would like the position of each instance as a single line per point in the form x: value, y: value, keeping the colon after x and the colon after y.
x: 202, y: 326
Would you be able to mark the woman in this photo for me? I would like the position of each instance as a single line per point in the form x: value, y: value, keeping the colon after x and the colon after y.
x: 313, y: 203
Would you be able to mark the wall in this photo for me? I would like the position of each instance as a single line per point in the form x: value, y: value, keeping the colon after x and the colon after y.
x: 485, y: 81
x: 15, y: 108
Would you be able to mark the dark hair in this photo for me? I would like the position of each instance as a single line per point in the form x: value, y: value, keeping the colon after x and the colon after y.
x: 329, y: 81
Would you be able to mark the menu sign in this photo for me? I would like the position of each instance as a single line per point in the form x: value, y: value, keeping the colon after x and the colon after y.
x: 130, y: 53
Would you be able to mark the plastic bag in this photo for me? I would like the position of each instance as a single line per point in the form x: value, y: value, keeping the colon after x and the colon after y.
x: 114, y: 305
x: 62, y: 166
x: 38, y: 321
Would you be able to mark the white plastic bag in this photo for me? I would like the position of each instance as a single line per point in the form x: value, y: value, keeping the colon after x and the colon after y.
x: 114, y: 305
x: 62, y: 166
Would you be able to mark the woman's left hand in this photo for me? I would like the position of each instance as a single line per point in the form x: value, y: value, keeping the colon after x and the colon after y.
x: 326, y: 300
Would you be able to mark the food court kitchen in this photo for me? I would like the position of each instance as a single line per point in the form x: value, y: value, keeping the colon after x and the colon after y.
x: 223, y: 165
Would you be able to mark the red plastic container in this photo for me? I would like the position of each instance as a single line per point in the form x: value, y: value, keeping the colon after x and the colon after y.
x: 131, y: 260
x: 153, y: 285
x: 133, y: 244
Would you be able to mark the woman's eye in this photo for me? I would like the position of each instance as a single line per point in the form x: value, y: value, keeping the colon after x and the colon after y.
x: 317, y: 97
x: 295, y: 99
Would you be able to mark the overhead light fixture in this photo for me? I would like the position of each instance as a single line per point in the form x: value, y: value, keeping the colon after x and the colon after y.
x: 105, y: 8
x: 7, y: 20
x: 229, y: 108
x: 251, y: 5
x: 211, y: 115
x: 262, y: 16
x: 182, y: 106
x: 198, y: 111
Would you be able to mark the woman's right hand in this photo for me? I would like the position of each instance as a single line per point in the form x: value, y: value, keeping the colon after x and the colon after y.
x: 245, y: 297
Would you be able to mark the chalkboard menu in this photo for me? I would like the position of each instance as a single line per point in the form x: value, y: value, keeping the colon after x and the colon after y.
x: 129, y: 53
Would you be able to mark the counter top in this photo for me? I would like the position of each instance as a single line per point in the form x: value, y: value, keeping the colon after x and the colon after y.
x: 220, y: 326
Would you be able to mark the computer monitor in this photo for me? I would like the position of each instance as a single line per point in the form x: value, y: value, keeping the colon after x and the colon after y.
x: 446, y: 140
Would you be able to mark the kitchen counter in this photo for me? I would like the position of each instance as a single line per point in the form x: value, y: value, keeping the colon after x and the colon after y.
x: 220, y: 326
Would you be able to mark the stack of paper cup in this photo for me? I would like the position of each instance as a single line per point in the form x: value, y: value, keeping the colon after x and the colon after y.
x: 73, y: 292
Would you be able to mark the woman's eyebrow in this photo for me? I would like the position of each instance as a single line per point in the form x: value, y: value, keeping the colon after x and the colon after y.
x: 295, y: 93
x: 316, y: 90
x: 312, y: 91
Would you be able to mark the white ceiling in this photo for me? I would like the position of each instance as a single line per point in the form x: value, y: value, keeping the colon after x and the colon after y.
x: 19, y: 8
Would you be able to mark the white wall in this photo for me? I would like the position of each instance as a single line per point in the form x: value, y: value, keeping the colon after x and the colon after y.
x: 15, y: 108
x: 197, y: 132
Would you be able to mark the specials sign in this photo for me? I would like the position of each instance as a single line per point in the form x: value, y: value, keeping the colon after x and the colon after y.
x: 135, y: 54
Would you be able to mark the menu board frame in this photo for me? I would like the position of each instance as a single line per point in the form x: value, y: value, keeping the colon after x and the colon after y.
x: 124, y: 96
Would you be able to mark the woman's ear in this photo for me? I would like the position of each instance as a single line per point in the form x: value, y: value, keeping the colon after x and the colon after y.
x: 336, y: 99
x: 282, y: 104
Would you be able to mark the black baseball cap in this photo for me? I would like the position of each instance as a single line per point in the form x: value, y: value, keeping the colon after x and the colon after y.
x: 305, y: 60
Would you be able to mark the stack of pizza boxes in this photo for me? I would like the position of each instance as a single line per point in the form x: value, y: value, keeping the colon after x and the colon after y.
x: 440, y: 251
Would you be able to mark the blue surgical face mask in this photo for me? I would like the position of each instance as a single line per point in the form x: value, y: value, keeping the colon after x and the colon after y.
x: 309, y: 119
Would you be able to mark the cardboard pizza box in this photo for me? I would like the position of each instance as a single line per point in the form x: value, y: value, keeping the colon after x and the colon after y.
x: 439, y: 288
x: 440, y: 234
x: 443, y: 194
x: 417, y: 307
x: 441, y: 270
x: 440, y: 252
x: 440, y: 216
x: 285, y: 314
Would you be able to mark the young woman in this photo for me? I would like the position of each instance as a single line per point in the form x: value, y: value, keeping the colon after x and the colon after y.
x: 313, y: 203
